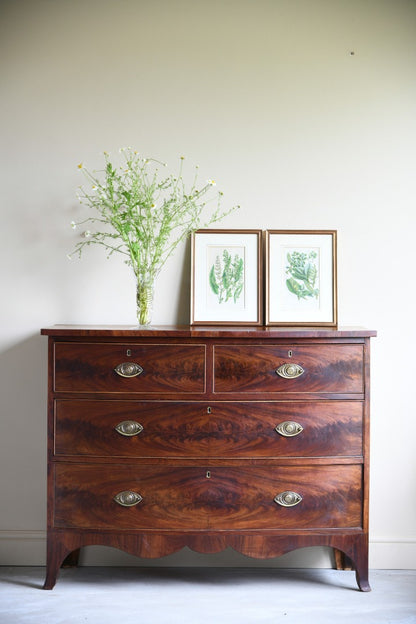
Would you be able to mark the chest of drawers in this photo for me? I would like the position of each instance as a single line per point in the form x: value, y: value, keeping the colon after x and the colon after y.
x: 250, y: 438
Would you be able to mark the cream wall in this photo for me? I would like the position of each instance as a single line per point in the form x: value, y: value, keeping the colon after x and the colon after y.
x: 269, y: 99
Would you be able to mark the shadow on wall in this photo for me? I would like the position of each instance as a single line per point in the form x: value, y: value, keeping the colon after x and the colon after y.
x: 23, y: 426
x: 315, y: 557
x: 183, y: 308
x: 171, y: 304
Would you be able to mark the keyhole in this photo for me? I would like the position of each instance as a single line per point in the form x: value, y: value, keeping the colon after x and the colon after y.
x: 128, y: 352
x: 208, y: 410
x: 290, y: 353
x: 208, y: 474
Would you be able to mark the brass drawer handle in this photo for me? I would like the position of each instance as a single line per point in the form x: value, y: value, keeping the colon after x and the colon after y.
x: 128, y: 369
x: 289, y: 428
x: 289, y: 371
x: 288, y: 499
x: 127, y: 498
x: 129, y: 428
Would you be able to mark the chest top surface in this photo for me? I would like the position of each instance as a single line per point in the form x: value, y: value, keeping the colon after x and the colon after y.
x: 187, y: 331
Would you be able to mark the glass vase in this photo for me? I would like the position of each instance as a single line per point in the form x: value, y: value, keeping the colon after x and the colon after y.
x: 144, y: 300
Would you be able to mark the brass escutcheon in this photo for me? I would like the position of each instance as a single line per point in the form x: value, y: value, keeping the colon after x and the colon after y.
x: 129, y: 428
x: 289, y: 371
x: 128, y: 369
x: 289, y: 428
x: 127, y: 498
x: 288, y: 499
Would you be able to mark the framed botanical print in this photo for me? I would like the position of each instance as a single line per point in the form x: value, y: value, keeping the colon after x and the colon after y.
x: 301, y: 277
x: 226, y: 280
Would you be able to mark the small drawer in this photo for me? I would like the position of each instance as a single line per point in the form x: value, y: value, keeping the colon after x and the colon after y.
x: 336, y: 368
x: 125, y: 368
x: 143, y: 429
x: 216, y: 498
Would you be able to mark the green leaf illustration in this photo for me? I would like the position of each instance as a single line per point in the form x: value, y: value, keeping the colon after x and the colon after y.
x: 226, y: 277
x: 303, y: 274
x: 213, y: 281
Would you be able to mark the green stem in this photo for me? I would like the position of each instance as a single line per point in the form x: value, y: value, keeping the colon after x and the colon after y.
x: 144, y: 300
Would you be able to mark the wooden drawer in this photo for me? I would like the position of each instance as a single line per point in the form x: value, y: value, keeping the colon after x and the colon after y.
x: 83, y: 367
x: 184, y: 498
x: 219, y: 429
x: 329, y: 368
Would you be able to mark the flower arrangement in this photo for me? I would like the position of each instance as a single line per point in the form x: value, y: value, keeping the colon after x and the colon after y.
x: 144, y: 215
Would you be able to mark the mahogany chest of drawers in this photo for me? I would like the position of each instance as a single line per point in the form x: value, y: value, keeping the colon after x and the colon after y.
x: 250, y: 438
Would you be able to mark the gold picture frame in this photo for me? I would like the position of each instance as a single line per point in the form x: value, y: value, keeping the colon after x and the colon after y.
x: 301, y: 278
x: 226, y: 277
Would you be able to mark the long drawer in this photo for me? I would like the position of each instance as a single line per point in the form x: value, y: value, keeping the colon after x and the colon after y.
x: 214, y: 498
x: 143, y: 429
x: 120, y: 368
x: 326, y: 368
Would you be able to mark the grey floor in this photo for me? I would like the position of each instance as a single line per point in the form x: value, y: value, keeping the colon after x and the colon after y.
x: 201, y: 595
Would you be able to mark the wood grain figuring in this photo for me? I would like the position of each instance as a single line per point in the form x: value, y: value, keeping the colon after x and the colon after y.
x: 260, y: 545
x: 132, y: 332
x: 208, y: 461
x: 240, y: 429
x: 328, y: 368
x: 184, y: 498
x: 83, y: 367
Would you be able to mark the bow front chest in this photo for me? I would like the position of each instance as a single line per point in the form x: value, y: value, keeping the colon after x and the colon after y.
x: 250, y: 438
